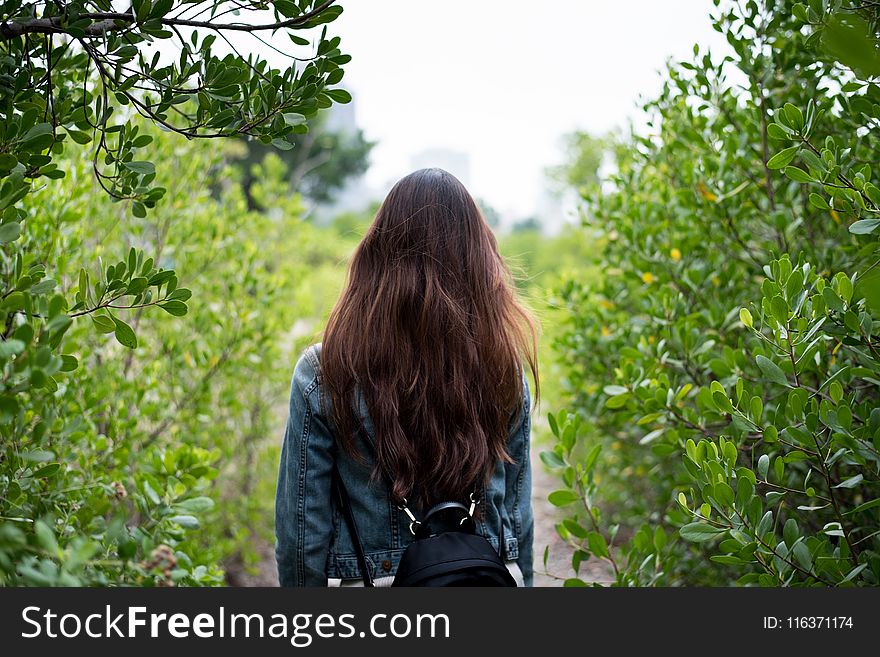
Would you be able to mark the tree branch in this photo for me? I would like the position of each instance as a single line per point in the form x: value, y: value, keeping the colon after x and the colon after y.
x: 109, y: 21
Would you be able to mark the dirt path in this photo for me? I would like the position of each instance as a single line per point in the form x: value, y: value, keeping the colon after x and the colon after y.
x: 559, y: 556
x: 546, y: 517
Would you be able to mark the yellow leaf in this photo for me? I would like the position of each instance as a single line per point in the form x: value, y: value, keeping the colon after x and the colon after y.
x: 705, y: 193
x: 835, y: 216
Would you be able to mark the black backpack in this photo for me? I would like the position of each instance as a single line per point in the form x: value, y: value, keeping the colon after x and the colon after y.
x: 447, y: 550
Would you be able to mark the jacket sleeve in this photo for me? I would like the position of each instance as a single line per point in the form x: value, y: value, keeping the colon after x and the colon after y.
x: 518, y: 494
x: 303, y: 518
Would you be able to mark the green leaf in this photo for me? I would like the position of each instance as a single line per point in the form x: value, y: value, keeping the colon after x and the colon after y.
x: 47, y: 471
x: 563, y: 497
x: 651, y: 436
x: 802, y: 556
x: 779, y: 132
x: 790, y: 531
x: 180, y: 294
x: 659, y: 538
x: 779, y: 309
x: 832, y: 300
x: 723, y: 494
x: 103, y: 323
x: 590, y: 461
x: 46, y: 537
x: 185, y: 521
x: 37, y: 456
x: 161, y: 277
x: 79, y: 137
x: 854, y: 573
x: 798, y: 175
x: 150, y: 492
x: 554, y: 427
x: 763, y: 466
x: 864, y: 226
x: 728, y: 559
x: 11, y: 348
x: 764, y: 524
x: 794, y: 115
x: 9, y: 232
x: 597, y: 544
x: 852, y: 41
x: 618, y: 401
x: 852, y: 482
x: 196, y: 504
x: 864, y: 507
x: 575, y: 528
x: 722, y: 402
x: 699, y: 532
x: 124, y: 334
x: 339, y: 95
x: 818, y: 201
x: 292, y: 118
x: 552, y: 459
x: 745, y: 317
x: 176, y: 308
x: 772, y: 371
x: 140, y: 167
x: 756, y: 408
x: 137, y: 285
x: 783, y: 157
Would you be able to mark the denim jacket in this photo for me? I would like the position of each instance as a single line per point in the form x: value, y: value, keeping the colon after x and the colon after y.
x: 312, y: 538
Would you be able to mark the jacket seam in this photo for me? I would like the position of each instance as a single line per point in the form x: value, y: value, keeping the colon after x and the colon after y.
x: 300, y: 510
x: 517, y: 516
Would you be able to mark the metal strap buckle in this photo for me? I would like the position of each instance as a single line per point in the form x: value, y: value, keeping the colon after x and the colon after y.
x: 413, y: 521
x: 473, y: 506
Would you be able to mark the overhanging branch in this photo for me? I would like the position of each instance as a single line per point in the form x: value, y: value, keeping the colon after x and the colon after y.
x: 112, y: 21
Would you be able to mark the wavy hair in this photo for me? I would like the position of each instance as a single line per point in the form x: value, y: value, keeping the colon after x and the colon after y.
x: 430, y: 329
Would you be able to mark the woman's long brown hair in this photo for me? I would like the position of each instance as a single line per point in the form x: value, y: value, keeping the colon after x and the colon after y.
x: 429, y: 327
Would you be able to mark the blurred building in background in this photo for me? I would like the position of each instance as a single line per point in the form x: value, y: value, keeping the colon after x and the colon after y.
x: 356, y: 195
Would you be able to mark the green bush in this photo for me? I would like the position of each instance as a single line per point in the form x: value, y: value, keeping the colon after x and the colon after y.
x: 724, y: 369
x: 138, y: 416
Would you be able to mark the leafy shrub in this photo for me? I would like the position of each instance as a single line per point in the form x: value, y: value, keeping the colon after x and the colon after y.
x: 724, y: 370
x: 137, y: 414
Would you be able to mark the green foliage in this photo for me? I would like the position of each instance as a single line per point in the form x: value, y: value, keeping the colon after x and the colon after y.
x: 135, y: 411
x: 584, y: 154
x: 51, y: 49
x: 724, y: 369
x: 321, y: 161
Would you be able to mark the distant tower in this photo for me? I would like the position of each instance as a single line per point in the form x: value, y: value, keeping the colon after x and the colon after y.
x: 455, y: 162
x: 356, y: 194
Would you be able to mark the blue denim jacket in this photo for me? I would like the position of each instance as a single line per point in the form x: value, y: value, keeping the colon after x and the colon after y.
x: 312, y: 539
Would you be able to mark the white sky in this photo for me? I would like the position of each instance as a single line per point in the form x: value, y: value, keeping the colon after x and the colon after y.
x: 498, y: 80
x: 503, y: 80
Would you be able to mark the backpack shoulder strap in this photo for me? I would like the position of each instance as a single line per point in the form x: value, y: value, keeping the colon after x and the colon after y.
x: 345, y: 505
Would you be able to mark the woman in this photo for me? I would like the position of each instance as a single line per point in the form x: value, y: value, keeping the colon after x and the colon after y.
x: 416, y: 392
